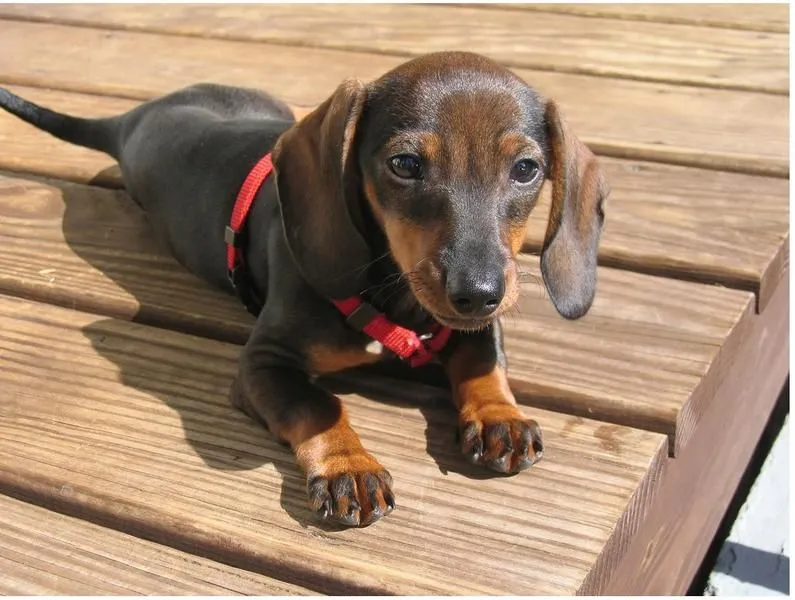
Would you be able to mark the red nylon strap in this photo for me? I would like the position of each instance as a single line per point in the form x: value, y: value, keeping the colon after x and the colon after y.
x: 403, y: 342
x: 245, y: 198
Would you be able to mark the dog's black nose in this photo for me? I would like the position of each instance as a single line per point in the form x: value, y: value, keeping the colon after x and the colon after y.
x: 476, y: 295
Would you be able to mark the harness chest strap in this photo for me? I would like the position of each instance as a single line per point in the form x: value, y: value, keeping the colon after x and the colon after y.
x: 405, y: 343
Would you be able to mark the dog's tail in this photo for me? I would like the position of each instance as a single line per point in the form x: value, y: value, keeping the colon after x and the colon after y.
x: 97, y: 134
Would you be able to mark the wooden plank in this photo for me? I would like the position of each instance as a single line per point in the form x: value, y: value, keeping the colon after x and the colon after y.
x: 757, y: 16
x: 698, y: 486
x: 47, y: 553
x: 663, y: 220
x: 92, y: 249
x: 739, y: 131
x: 646, y: 355
x: 129, y: 426
x: 646, y: 51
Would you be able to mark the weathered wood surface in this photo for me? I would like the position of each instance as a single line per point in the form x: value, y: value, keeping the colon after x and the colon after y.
x: 662, y: 219
x: 755, y: 16
x: 643, y: 356
x: 648, y: 354
x: 724, y: 58
x: 129, y: 426
x: 47, y: 553
x: 680, y: 124
x: 666, y: 553
x: 91, y: 249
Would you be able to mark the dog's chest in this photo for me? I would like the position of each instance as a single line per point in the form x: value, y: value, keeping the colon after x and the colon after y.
x: 324, y: 359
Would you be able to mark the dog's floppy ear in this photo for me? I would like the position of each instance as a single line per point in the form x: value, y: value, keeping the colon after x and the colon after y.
x: 568, y: 258
x: 316, y: 183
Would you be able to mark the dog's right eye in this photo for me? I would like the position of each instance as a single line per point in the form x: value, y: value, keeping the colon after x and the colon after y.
x: 406, y: 166
x: 524, y: 171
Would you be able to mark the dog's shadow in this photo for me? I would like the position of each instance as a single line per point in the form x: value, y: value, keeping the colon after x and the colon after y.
x: 81, y: 234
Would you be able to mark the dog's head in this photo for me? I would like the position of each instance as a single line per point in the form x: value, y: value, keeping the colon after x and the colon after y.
x: 449, y: 153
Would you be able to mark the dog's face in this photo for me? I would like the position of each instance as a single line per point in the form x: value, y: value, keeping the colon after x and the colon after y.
x: 449, y: 152
x: 453, y: 155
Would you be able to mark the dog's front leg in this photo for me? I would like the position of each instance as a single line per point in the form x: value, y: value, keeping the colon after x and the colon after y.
x: 345, y: 483
x: 493, y: 430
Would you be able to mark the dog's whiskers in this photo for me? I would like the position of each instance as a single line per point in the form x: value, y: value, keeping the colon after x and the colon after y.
x: 388, y: 282
x: 529, y: 277
x: 363, y: 267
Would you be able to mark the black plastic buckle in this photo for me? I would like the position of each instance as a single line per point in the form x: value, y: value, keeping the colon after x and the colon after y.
x: 361, y: 316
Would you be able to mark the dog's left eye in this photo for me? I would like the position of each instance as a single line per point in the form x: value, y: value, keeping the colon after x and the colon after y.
x: 406, y: 166
x: 524, y: 171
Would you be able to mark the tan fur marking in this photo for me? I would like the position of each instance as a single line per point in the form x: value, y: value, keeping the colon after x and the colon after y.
x: 480, y: 394
x: 414, y: 248
x: 512, y: 144
x: 372, y: 200
x: 431, y: 147
x: 328, y: 359
x: 516, y: 237
x: 328, y: 453
x: 409, y: 242
x: 335, y: 452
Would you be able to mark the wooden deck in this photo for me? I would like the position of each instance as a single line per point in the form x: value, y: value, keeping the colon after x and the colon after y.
x: 123, y: 470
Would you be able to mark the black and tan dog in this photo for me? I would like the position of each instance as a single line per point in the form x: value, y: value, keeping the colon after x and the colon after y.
x: 412, y: 193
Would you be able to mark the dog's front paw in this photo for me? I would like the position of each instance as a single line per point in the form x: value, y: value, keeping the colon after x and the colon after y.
x: 506, y: 444
x: 354, y: 495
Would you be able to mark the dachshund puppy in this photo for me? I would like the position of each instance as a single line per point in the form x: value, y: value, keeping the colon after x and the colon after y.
x: 409, y: 195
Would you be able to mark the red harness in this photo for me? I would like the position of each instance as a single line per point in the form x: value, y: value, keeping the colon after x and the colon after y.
x: 415, y: 349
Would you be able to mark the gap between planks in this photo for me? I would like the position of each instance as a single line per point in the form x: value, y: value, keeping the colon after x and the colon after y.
x: 729, y: 162
x: 759, y: 16
x: 48, y: 553
x: 641, y: 357
x: 732, y: 60
x: 129, y: 426
x: 659, y: 126
x: 663, y: 220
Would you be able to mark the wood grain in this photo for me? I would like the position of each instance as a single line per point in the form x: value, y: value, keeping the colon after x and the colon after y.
x: 92, y: 249
x: 755, y: 16
x: 698, y: 486
x: 47, y: 553
x: 129, y: 426
x: 646, y: 51
x: 645, y: 355
x: 742, y: 131
x: 664, y: 220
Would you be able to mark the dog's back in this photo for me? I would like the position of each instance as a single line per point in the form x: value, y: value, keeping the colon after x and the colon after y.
x: 183, y: 158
